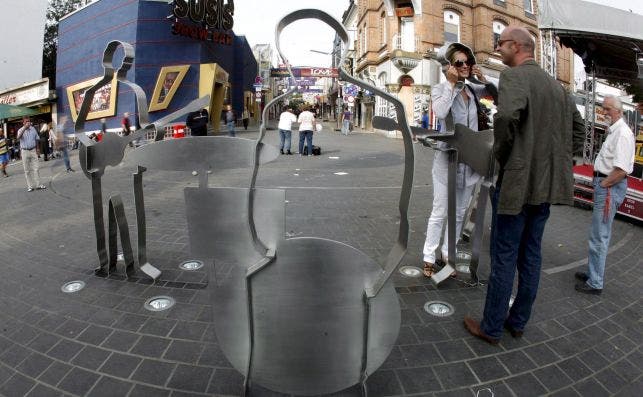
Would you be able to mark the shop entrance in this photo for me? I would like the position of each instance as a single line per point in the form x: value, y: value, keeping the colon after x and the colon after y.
x: 213, y: 81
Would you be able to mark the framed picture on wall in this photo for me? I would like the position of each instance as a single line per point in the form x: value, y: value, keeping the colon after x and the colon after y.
x: 167, y: 82
x: 103, y: 104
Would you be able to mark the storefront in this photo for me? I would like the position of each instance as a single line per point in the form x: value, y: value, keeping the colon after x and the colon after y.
x: 35, y: 96
x: 181, y: 53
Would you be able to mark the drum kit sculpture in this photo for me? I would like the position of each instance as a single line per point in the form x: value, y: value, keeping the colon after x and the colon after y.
x: 299, y: 315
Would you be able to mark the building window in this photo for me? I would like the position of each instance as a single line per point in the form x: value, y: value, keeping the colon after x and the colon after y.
x: 529, y: 7
x: 451, y: 27
x: 383, y: 29
x: 498, y: 27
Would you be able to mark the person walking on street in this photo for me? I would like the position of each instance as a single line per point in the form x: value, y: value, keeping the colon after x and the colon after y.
x: 536, y: 131
x: 4, y: 154
x: 230, y: 119
x: 346, y: 121
x: 245, y: 117
x: 286, y: 118
x: 28, y: 137
x: 614, y: 161
x: 43, y: 140
x: 127, y: 126
x: 307, y: 123
x: 197, y: 122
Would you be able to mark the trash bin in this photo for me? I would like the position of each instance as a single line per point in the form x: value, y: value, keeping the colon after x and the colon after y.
x: 179, y: 131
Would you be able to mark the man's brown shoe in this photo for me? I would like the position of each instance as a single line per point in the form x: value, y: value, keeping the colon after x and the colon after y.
x: 473, y: 327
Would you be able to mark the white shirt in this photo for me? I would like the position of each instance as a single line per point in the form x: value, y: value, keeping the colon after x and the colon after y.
x: 617, y: 150
x: 306, y: 120
x: 285, y: 121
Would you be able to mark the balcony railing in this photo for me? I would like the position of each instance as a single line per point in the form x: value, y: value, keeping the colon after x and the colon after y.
x: 408, y: 44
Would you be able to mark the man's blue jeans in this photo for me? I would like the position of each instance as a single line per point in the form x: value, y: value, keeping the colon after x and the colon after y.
x: 231, y: 128
x: 284, y: 139
x: 599, y: 235
x: 515, y: 243
x: 308, y: 136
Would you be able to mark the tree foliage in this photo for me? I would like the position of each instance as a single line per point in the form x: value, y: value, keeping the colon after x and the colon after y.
x: 55, y: 11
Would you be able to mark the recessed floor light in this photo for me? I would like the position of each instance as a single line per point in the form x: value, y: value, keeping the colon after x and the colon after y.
x: 410, y: 271
x: 439, y: 308
x: 159, y: 303
x: 191, y: 265
x: 462, y: 268
x: 341, y: 173
x: 72, y: 286
x: 120, y: 257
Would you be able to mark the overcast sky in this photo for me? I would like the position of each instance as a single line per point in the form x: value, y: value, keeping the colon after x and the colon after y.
x: 256, y: 19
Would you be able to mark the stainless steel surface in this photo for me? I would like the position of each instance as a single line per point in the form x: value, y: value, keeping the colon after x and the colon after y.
x: 218, y: 223
x: 308, y: 317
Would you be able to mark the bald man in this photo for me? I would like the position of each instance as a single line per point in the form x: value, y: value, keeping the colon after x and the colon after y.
x: 536, y: 131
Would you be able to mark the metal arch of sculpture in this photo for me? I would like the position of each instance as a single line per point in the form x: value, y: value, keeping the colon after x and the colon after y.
x: 96, y: 156
x: 303, y: 315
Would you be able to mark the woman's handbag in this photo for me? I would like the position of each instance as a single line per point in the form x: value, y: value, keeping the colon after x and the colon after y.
x: 484, y: 123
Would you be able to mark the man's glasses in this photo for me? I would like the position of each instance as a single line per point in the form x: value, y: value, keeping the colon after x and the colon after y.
x: 459, y: 64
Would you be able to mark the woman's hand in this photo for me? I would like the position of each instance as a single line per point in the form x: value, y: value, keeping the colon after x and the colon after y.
x: 477, y: 72
x: 452, y: 75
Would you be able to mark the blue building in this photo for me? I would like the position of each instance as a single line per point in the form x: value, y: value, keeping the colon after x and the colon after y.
x: 176, y: 61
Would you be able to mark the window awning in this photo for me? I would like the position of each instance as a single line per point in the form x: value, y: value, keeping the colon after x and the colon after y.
x: 10, y: 111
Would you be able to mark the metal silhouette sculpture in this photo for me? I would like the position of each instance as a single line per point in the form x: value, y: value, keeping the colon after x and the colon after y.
x: 474, y: 148
x: 96, y: 156
x: 301, y: 315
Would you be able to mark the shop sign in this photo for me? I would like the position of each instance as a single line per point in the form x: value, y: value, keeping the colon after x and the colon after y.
x: 319, y: 72
x: 213, y: 14
x: 280, y: 72
x: 404, y: 11
x: 34, y: 93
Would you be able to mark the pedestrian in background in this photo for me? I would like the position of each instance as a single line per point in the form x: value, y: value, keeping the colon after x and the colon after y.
x: 4, y: 153
x: 245, y: 117
x: 197, y: 122
x: 43, y: 140
x: 286, y: 118
x: 536, y: 131
x: 28, y: 137
x: 614, y: 161
x: 126, y: 126
x: 230, y: 120
x: 347, y: 116
x: 306, y: 122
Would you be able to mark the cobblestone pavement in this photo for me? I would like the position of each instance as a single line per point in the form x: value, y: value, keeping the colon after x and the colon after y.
x: 102, y: 342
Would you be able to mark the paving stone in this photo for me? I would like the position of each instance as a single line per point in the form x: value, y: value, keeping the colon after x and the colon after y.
x: 148, y: 391
x: 488, y: 368
x: 481, y: 348
x: 34, y: 365
x: 158, y: 326
x: 593, y: 360
x: 65, y: 350
x: 632, y: 390
x: 525, y: 385
x: 71, y: 328
x: 121, y: 341
x: 610, y: 380
x: 454, y: 375
x: 109, y: 387
x: 153, y: 372
x: 406, y: 336
x: 541, y: 354
x: 43, y: 391
x: 516, y: 361
x: 91, y: 357
x: 574, y: 368
x: 55, y: 373
x: 17, y: 385
x: 94, y: 334
x: 130, y: 322
x: 191, y: 378
x: 151, y: 346
x: 423, y: 354
x: 626, y: 370
x: 418, y: 380
x: 226, y: 381
x: 591, y: 387
x: 454, y: 350
x: 120, y: 365
x: 564, y: 347
x: 213, y: 356
x: 567, y: 392
x: 383, y: 383
x: 24, y: 335
x: 187, y: 352
x: 78, y: 381
x: 5, y: 373
x: 553, y: 329
x: 14, y: 355
x: 552, y: 377
x: 491, y: 389
x: 188, y: 330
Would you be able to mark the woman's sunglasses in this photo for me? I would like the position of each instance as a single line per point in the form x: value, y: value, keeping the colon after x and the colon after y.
x: 459, y: 64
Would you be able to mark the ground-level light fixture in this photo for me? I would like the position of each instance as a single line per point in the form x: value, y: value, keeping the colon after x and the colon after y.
x: 72, y: 286
x: 439, y: 308
x: 191, y: 265
x: 159, y: 303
